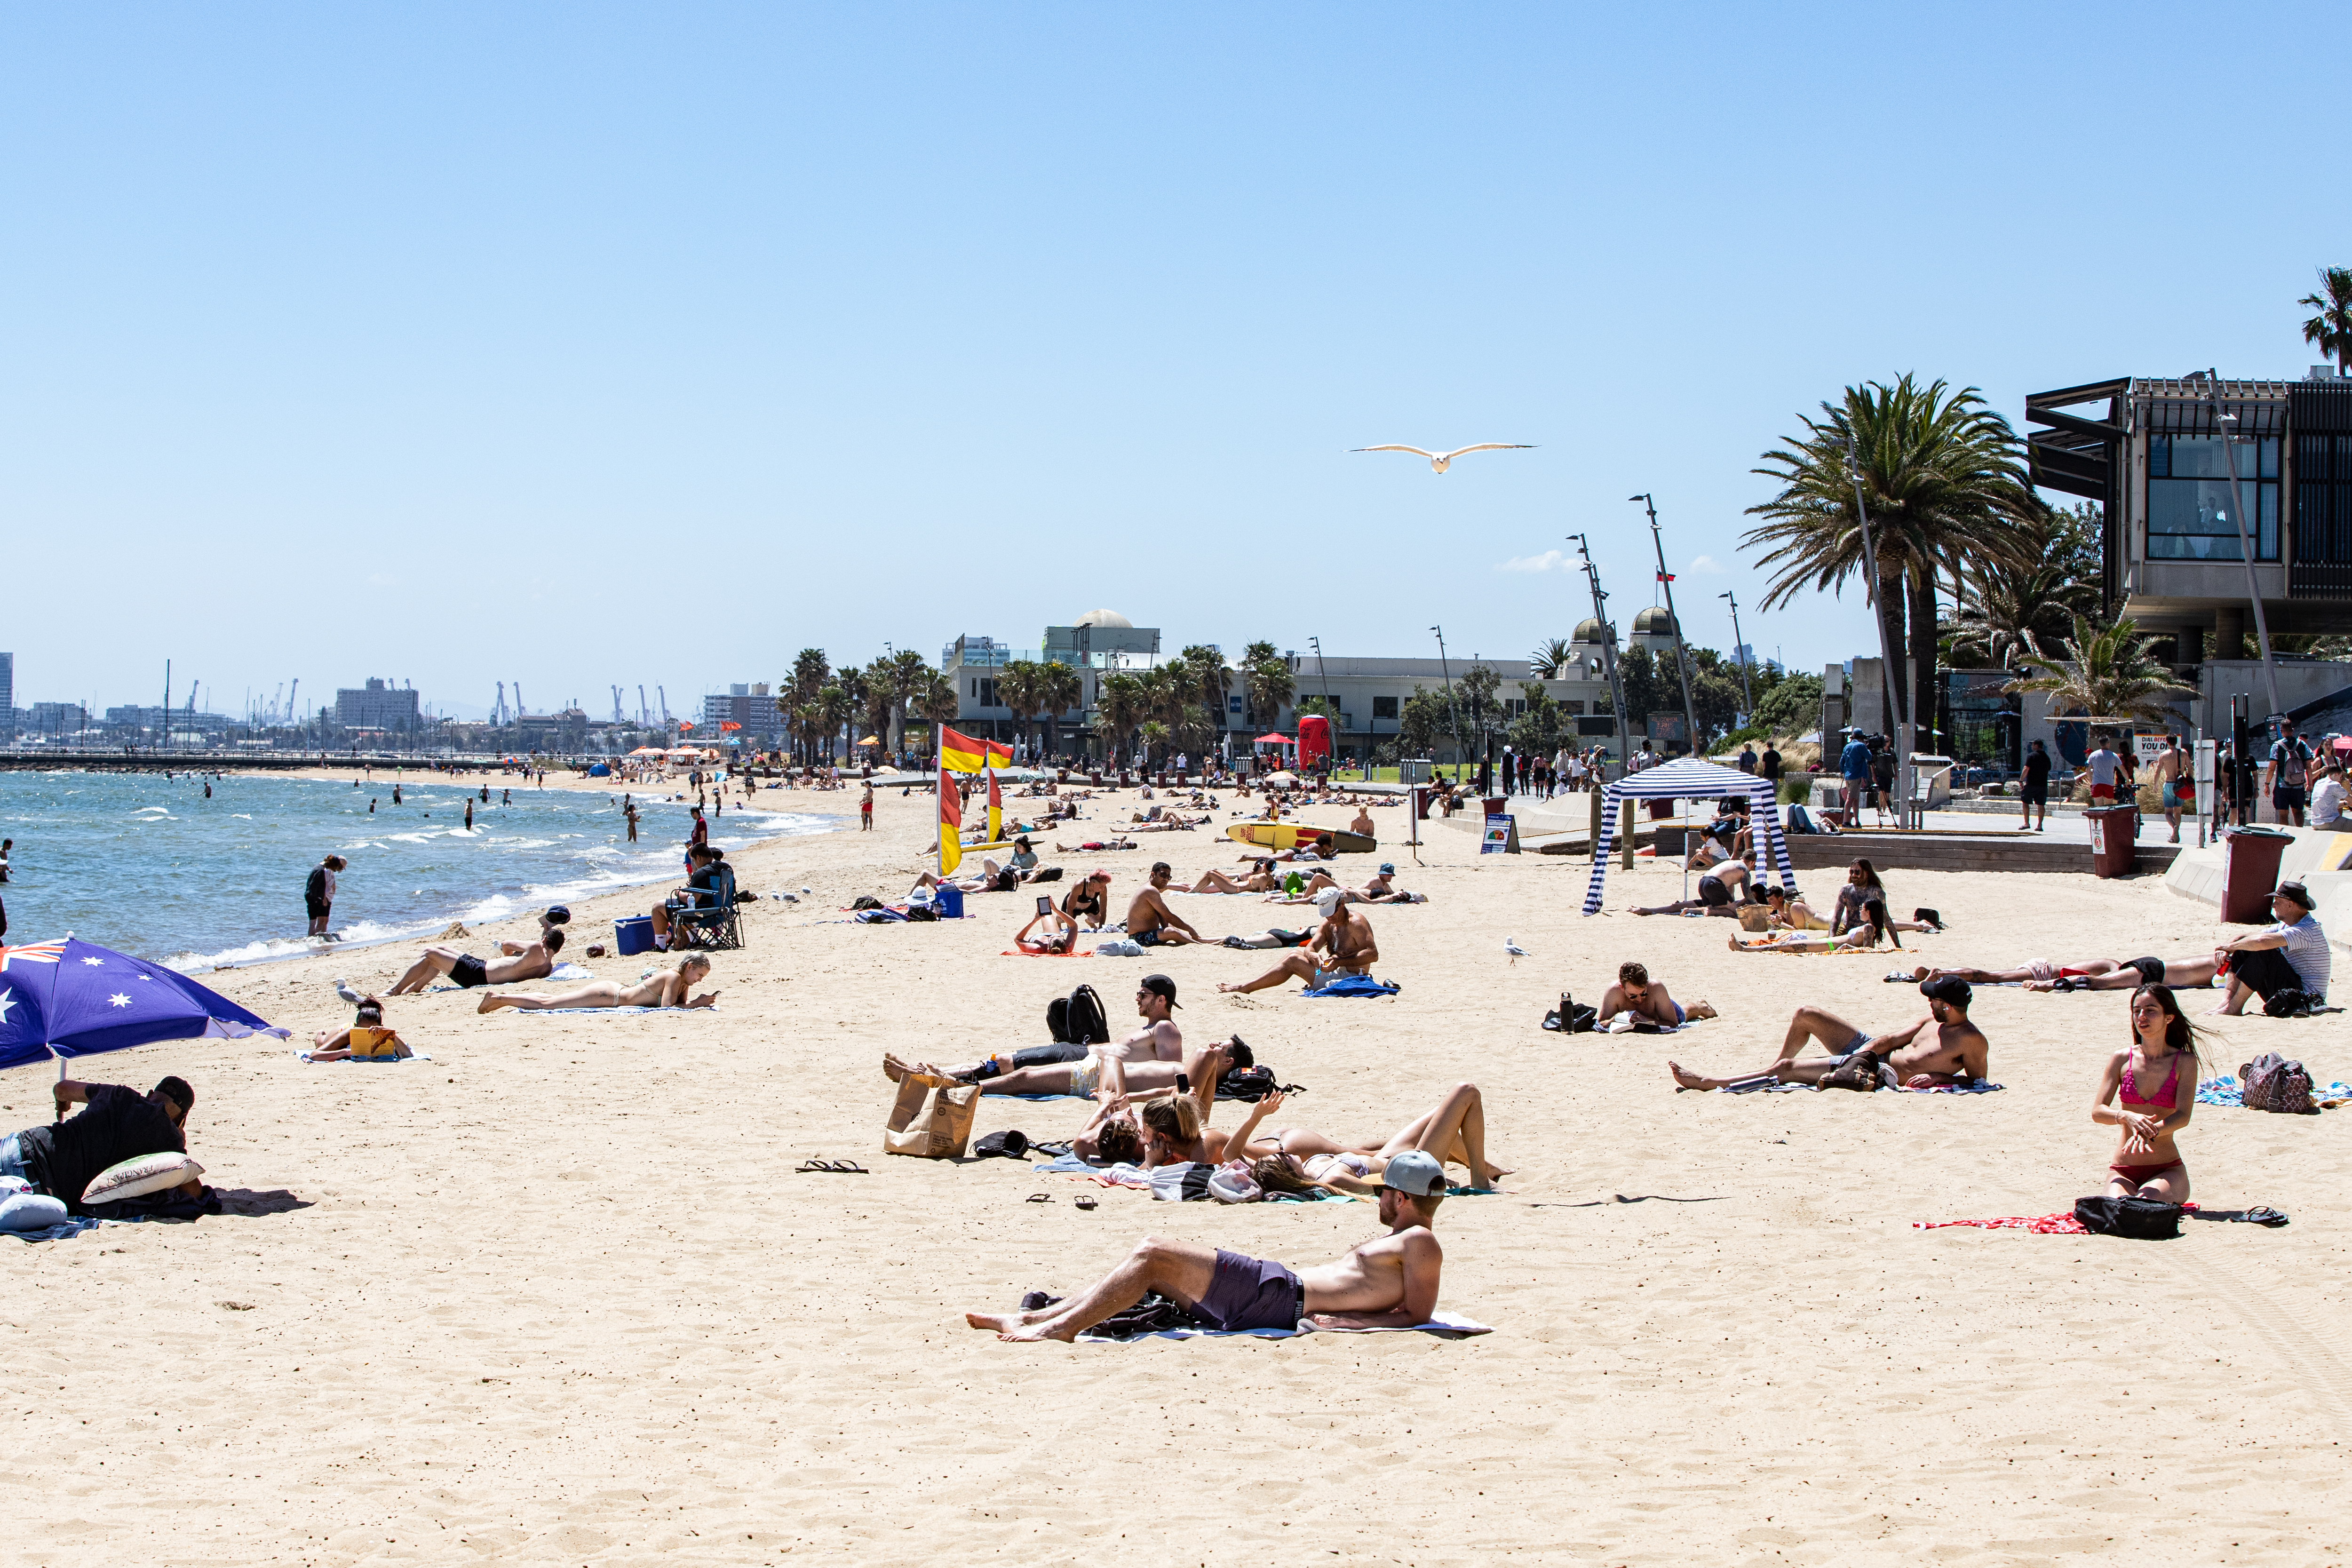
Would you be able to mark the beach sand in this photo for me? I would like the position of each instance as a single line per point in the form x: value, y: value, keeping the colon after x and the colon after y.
x: 558, y: 1296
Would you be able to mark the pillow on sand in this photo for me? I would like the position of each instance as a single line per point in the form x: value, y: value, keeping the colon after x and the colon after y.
x: 138, y: 1177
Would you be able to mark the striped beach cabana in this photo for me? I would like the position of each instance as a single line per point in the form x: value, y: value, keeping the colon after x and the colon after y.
x: 1687, y: 778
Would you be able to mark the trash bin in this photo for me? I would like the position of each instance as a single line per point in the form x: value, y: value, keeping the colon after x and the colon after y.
x: 2115, y: 842
x: 1496, y: 804
x: 2250, y: 863
x: 1660, y: 810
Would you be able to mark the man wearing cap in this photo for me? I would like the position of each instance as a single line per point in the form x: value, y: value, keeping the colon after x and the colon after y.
x: 1381, y: 890
x: 2291, y: 955
x: 1915, y: 1057
x: 1345, y: 939
x: 1389, y: 1282
x: 1150, y: 920
x: 60, y: 1160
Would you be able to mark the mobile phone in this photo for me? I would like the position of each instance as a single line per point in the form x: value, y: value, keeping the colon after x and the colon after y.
x: 1045, y: 904
x: 1184, y: 1082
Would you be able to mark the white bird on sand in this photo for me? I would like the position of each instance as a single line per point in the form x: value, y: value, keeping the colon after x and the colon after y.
x: 1439, y: 461
x: 1511, y: 945
x: 343, y: 989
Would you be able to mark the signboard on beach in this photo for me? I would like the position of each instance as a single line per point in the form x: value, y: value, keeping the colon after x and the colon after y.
x: 1501, y: 837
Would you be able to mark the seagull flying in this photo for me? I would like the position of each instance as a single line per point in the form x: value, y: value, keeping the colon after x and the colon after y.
x: 1439, y: 461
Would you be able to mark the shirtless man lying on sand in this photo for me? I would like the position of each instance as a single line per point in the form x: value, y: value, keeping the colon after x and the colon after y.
x: 1915, y: 1057
x: 523, y: 961
x: 1387, y: 1282
x: 1635, y: 993
x: 1159, y: 1040
x: 2189, y: 970
x: 1345, y: 939
x: 663, y: 988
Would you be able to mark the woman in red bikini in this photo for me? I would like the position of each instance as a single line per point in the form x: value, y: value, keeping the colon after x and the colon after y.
x: 2145, y: 1093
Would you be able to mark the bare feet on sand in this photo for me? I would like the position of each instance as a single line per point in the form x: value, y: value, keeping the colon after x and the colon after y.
x: 1686, y: 1079
x: 1702, y: 1008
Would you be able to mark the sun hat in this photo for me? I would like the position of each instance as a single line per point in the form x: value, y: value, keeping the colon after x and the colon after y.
x: 919, y: 896
x: 1415, y: 1174
x: 1388, y: 867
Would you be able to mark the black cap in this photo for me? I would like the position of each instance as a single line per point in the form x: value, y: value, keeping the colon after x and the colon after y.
x: 2296, y: 892
x: 1949, y: 989
x: 1160, y: 985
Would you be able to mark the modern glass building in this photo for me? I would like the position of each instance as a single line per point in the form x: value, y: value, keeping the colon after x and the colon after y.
x: 2152, y: 452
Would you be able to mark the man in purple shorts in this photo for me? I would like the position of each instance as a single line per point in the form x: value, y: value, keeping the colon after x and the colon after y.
x: 1389, y: 1282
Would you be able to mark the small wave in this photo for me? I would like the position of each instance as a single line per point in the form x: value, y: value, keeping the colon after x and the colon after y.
x: 242, y: 815
x: 412, y: 837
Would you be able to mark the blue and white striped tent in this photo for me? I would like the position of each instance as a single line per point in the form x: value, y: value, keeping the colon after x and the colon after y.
x: 1687, y: 778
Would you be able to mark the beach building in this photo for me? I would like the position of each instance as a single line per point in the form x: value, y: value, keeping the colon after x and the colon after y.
x: 563, y: 731
x: 56, y: 721
x: 378, y: 705
x: 749, y: 704
x: 1095, y: 644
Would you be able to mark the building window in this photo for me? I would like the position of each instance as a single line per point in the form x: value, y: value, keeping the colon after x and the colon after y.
x: 1384, y: 707
x: 983, y: 691
x: 2191, y: 513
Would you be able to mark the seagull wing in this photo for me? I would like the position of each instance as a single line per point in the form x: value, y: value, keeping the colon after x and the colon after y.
x: 1414, y: 450
x: 1481, y: 447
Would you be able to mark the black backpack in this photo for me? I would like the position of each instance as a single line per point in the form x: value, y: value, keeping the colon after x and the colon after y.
x: 1078, y: 1019
x: 2138, y: 1219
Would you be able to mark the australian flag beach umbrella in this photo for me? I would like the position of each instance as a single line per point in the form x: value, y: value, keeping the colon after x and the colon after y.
x: 74, y: 998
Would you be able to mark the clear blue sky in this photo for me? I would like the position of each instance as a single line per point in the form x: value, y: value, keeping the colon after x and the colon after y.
x: 583, y: 345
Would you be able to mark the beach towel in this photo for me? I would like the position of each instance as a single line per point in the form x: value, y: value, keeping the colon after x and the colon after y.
x: 1024, y: 952
x: 388, y: 1061
x: 2228, y: 1091
x: 604, y: 1012
x: 2040, y: 1225
x: 1974, y: 1086
x: 1355, y: 985
x: 1445, y: 1325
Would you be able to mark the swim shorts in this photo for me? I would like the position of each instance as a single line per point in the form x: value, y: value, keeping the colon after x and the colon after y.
x: 2151, y: 970
x: 1713, y: 893
x: 318, y: 911
x: 1147, y: 937
x: 468, y: 971
x: 1086, y: 1076
x: 1248, y: 1293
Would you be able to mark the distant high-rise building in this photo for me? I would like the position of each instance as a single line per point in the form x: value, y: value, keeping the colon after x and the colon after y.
x: 8, y: 697
x: 59, y: 719
x: 375, y: 706
x: 746, y: 705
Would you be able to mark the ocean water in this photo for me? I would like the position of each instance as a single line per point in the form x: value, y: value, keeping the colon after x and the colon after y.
x: 150, y: 867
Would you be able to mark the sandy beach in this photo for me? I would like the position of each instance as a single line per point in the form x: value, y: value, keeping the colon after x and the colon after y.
x: 558, y: 1296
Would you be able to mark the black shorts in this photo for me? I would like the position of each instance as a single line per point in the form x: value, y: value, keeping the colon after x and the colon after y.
x: 2036, y: 795
x: 2151, y: 970
x: 318, y: 911
x: 1151, y: 938
x: 468, y: 971
x: 2287, y: 799
x: 1249, y: 1293
x: 1713, y: 893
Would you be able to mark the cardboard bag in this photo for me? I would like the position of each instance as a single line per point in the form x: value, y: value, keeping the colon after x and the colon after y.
x: 933, y: 1117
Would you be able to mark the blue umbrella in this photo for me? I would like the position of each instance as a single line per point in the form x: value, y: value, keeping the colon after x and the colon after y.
x: 75, y: 998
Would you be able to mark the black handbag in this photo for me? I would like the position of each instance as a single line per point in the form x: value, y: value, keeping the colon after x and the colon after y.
x: 2138, y: 1219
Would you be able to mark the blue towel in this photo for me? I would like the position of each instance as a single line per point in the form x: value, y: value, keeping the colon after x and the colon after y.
x: 2228, y: 1091
x: 1355, y: 985
x: 73, y: 1227
x: 1974, y: 1086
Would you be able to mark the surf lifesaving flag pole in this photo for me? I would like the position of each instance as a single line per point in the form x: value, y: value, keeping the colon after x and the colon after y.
x: 950, y: 821
x: 996, y: 804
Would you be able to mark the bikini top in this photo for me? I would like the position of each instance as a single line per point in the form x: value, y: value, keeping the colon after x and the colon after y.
x: 2131, y: 1095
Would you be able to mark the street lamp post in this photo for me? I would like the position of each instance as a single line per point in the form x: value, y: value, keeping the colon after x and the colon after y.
x: 1608, y: 643
x: 1747, y: 693
x: 1450, y: 706
x: 1682, y: 659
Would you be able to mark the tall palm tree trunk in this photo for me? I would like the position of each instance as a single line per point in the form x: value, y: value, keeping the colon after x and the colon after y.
x: 1892, y: 597
x: 1923, y: 658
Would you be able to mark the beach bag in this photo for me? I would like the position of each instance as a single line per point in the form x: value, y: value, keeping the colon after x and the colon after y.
x: 2287, y: 1003
x: 2273, y: 1083
x: 1573, y: 1017
x: 932, y: 1118
x: 1078, y: 1018
x: 1860, y: 1074
x: 2136, y: 1219
x: 1250, y: 1083
x: 1011, y: 1144
x: 866, y: 902
x: 1048, y: 874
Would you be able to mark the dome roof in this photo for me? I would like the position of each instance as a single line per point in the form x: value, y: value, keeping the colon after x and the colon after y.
x: 1587, y: 630
x: 1104, y: 618
x: 1654, y: 619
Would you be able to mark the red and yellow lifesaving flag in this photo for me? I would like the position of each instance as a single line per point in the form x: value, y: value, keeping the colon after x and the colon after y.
x: 995, y: 810
x: 950, y: 823
x: 960, y: 754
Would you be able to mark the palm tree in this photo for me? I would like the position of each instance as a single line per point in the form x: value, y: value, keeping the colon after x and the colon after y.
x: 1945, y: 486
x: 1551, y: 659
x: 836, y: 708
x: 2103, y: 672
x: 1059, y: 690
x: 2331, y: 328
x: 1020, y: 686
x: 1267, y: 684
x: 1215, y: 680
x: 2009, y: 610
x: 1154, y: 734
x: 1122, y: 704
x: 934, y: 696
x: 904, y: 671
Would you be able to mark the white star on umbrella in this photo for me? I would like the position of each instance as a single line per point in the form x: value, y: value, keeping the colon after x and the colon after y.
x: 120, y: 999
x: 7, y: 1000
x: 93, y: 963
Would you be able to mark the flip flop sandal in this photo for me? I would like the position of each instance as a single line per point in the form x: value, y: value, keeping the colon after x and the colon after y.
x: 1040, y: 1198
x: 1089, y: 1202
x: 2264, y: 1215
x: 833, y: 1168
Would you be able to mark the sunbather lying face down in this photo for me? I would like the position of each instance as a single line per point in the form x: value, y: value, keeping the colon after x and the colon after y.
x: 663, y: 988
x: 1942, y: 1047
x: 2190, y: 969
x: 1637, y: 993
x: 1391, y: 1282
x: 1453, y: 1131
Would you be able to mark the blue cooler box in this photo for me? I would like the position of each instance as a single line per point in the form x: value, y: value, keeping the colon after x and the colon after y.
x: 634, y: 935
x: 950, y: 901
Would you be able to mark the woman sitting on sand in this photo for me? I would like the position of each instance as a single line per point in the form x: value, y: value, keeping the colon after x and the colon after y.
x: 1861, y: 884
x: 2152, y: 1099
x: 663, y: 988
x: 1874, y: 927
x: 1298, y: 1158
